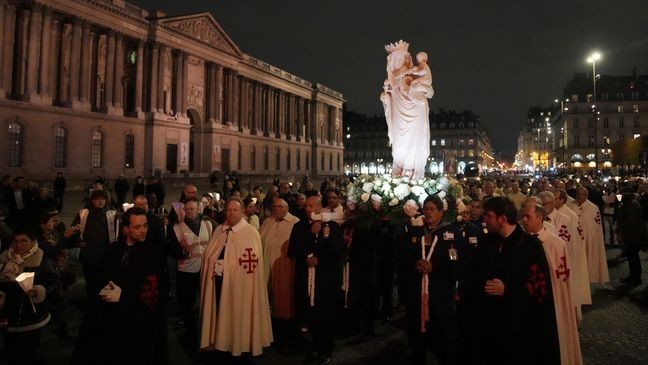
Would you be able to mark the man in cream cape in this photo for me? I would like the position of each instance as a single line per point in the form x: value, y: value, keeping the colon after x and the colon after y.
x: 568, y: 232
x: 234, y: 310
x: 592, y: 233
x: 560, y: 268
x: 581, y: 284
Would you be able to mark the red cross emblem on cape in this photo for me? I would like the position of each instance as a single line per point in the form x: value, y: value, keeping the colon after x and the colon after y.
x: 564, y: 233
x: 597, y: 219
x: 537, y: 284
x: 580, y: 231
x: 562, y: 270
x: 249, y: 261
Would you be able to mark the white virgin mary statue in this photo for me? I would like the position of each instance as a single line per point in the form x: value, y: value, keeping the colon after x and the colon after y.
x: 405, y: 95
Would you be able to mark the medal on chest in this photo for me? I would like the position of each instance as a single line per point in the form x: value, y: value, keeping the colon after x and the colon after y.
x: 452, y: 253
x: 326, y: 231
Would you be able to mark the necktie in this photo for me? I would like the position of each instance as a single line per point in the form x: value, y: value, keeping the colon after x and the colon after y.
x: 222, y: 254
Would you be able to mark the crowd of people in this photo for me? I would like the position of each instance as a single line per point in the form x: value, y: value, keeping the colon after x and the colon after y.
x: 503, y: 282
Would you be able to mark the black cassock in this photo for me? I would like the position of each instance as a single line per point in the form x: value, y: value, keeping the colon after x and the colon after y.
x: 520, y: 326
x: 132, y: 331
x: 328, y: 248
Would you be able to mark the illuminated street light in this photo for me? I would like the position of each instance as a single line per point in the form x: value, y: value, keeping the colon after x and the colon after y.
x: 592, y: 59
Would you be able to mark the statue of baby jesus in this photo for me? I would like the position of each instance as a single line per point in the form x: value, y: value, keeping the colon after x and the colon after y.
x: 419, y: 77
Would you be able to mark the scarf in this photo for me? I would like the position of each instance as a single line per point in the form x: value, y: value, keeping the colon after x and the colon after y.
x: 12, y: 263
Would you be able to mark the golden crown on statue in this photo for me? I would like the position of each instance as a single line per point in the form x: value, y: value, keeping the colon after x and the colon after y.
x: 400, y: 45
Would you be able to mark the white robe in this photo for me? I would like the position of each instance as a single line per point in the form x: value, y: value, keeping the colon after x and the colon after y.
x: 566, y: 223
x: 243, y: 320
x: 279, y: 268
x: 592, y: 233
x: 559, y: 265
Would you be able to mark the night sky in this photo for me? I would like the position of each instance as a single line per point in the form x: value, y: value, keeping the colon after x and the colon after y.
x: 496, y: 58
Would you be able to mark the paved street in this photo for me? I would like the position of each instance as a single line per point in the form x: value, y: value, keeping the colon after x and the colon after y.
x: 614, y: 329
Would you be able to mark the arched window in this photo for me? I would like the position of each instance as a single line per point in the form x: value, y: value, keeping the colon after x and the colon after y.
x: 278, y: 159
x: 14, y: 144
x: 266, y: 164
x: 96, y: 151
x: 129, y: 151
x: 60, y: 146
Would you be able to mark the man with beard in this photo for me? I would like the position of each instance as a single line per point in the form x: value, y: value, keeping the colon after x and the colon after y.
x: 512, y: 287
x: 132, y: 296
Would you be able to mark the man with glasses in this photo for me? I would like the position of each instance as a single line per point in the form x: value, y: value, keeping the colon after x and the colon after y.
x: 333, y: 206
x: 280, y: 269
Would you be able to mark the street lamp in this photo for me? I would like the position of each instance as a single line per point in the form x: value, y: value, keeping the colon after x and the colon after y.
x: 592, y: 59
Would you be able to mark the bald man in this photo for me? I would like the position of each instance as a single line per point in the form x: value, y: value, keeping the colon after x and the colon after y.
x: 591, y: 232
x: 317, y: 247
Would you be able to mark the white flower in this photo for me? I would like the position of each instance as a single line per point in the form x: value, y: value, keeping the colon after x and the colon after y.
x: 377, y: 183
x: 388, y: 178
x: 376, y: 198
x: 365, y: 197
x: 367, y: 187
x: 406, y: 179
x: 422, y: 197
x: 402, y: 191
x: 386, y: 188
x: 460, y: 206
x: 417, y: 222
x: 352, y: 198
x: 418, y: 190
x: 410, y: 208
x: 442, y: 194
x: 393, y: 202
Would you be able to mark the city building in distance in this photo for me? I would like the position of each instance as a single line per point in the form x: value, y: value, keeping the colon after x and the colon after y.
x: 104, y: 88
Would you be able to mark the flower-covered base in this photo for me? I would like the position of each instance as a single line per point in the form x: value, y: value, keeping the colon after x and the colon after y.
x: 387, y: 197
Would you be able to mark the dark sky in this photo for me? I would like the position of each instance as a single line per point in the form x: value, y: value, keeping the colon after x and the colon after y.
x: 494, y: 57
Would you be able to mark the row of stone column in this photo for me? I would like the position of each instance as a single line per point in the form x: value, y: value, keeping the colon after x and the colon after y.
x: 269, y: 111
x: 58, y: 60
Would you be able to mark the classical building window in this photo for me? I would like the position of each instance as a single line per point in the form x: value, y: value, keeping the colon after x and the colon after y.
x: 604, y: 97
x: 129, y: 151
x: 591, y: 141
x: 590, y: 122
x: 434, y: 142
x: 266, y: 164
x: 576, y: 141
x: 298, y: 160
x: 619, y: 97
x: 620, y: 122
x: 635, y: 96
x: 96, y: 150
x: 606, y: 123
x: 635, y: 122
x: 239, y: 157
x: 14, y: 145
x: 60, y: 144
x: 635, y: 108
x: 278, y: 160
x: 575, y: 123
x: 253, y: 158
x: 288, y: 165
x: 620, y: 108
x: 307, y: 160
x: 442, y: 142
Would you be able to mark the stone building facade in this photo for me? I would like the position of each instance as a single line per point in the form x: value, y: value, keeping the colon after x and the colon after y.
x: 101, y: 87
x: 586, y: 130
